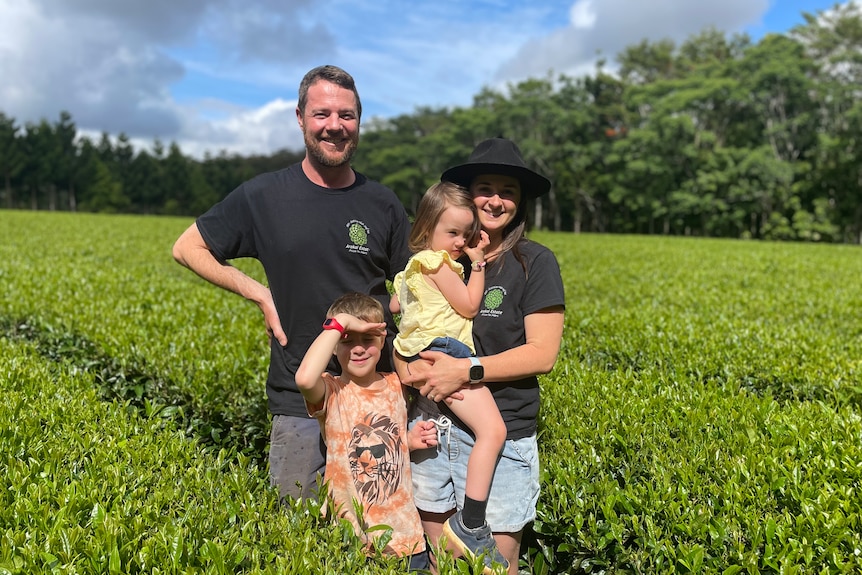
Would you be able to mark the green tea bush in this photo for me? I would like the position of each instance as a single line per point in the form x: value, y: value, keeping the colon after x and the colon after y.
x: 703, y: 416
x: 93, y: 487
x: 110, y: 283
x: 119, y: 487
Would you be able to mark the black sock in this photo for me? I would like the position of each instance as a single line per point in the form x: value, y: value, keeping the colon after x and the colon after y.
x: 473, y: 514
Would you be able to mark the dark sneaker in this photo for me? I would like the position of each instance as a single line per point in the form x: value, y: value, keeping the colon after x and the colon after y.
x: 473, y: 542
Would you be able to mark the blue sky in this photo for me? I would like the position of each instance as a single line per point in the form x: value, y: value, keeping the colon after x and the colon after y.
x: 222, y: 74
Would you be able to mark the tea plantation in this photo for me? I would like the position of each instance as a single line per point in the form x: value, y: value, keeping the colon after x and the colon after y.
x: 703, y: 416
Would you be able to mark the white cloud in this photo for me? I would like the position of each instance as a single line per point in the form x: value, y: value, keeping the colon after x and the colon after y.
x: 271, y: 127
x: 114, y: 66
x: 223, y: 74
x: 582, y: 14
x: 616, y: 24
x: 110, y: 81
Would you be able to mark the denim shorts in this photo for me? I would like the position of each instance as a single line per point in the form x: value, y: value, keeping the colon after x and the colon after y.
x: 448, y: 345
x: 440, y: 475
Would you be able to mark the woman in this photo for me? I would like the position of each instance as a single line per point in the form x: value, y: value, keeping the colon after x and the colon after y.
x: 517, y: 334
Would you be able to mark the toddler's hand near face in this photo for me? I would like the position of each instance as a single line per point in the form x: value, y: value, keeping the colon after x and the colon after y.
x: 477, y: 252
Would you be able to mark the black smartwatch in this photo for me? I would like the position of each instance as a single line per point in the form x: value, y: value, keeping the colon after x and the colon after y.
x: 477, y: 372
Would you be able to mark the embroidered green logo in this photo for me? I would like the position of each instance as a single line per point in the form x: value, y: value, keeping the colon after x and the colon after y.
x: 493, y: 298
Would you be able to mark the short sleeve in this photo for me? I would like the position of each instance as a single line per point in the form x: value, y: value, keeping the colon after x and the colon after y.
x: 429, y: 261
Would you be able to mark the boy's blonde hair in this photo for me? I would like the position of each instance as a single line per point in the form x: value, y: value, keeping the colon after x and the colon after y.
x: 358, y: 305
x: 435, y: 201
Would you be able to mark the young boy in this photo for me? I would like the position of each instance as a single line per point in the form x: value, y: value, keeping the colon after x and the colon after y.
x: 363, y: 420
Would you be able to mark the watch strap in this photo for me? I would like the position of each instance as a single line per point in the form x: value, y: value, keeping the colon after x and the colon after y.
x: 332, y: 323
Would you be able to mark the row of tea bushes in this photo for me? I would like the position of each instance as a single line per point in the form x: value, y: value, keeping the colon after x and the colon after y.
x: 651, y: 475
x: 704, y: 416
x: 92, y: 285
x: 94, y: 487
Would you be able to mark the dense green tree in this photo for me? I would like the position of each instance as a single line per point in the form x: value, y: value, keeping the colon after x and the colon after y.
x: 40, y: 173
x: 648, y: 62
x: 12, y: 157
x: 219, y: 172
x: 101, y: 190
x: 177, y: 182
x: 690, y: 119
x: 715, y: 135
x: 143, y: 178
x: 598, y: 118
x: 120, y: 166
x: 778, y: 75
x: 832, y: 39
x: 406, y: 153
x: 67, y: 158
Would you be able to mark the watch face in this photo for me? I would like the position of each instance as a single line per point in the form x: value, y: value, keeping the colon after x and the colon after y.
x: 332, y: 323
x: 477, y: 372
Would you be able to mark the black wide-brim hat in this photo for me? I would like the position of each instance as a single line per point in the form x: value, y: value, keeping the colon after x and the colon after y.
x: 498, y: 156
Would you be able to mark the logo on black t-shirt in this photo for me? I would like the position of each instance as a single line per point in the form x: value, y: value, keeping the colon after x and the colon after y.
x: 357, y: 232
x: 494, y: 297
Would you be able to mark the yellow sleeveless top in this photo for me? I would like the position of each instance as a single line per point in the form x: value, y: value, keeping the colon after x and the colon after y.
x: 425, y: 313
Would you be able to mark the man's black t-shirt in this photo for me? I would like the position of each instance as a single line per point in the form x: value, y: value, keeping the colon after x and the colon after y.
x: 315, y: 244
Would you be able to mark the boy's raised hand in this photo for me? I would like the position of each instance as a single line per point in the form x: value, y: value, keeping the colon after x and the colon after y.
x: 356, y: 325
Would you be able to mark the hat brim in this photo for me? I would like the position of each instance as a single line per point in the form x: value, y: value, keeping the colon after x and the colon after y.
x: 532, y: 184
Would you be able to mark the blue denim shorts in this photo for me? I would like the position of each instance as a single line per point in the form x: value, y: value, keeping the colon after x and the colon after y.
x: 448, y: 345
x: 440, y: 475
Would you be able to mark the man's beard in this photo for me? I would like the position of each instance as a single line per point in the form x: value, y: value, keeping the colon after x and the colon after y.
x: 315, y: 150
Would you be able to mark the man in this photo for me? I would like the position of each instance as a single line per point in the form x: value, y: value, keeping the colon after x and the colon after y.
x: 320, y: 229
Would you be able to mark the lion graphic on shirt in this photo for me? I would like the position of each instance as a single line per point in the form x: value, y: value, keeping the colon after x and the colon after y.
x: 375, y: 458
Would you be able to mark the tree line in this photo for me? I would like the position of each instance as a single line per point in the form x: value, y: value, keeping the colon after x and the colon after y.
x: 715, y: 136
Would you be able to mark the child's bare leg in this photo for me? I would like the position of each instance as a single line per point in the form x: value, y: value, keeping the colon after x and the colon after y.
x: 468, y: 529
x: 417, y: 366
x: 479, y: 412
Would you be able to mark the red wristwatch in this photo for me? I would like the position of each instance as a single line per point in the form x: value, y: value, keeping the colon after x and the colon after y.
x: 332, y: 323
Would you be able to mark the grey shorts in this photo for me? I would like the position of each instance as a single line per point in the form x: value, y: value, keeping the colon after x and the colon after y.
x: 440, y: 475
x: 297, y: 455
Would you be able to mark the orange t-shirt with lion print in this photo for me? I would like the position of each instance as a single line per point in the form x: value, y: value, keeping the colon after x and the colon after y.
x: 368, y: 460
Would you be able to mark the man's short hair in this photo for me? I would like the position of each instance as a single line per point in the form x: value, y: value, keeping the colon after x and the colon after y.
x: 332, y: 74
